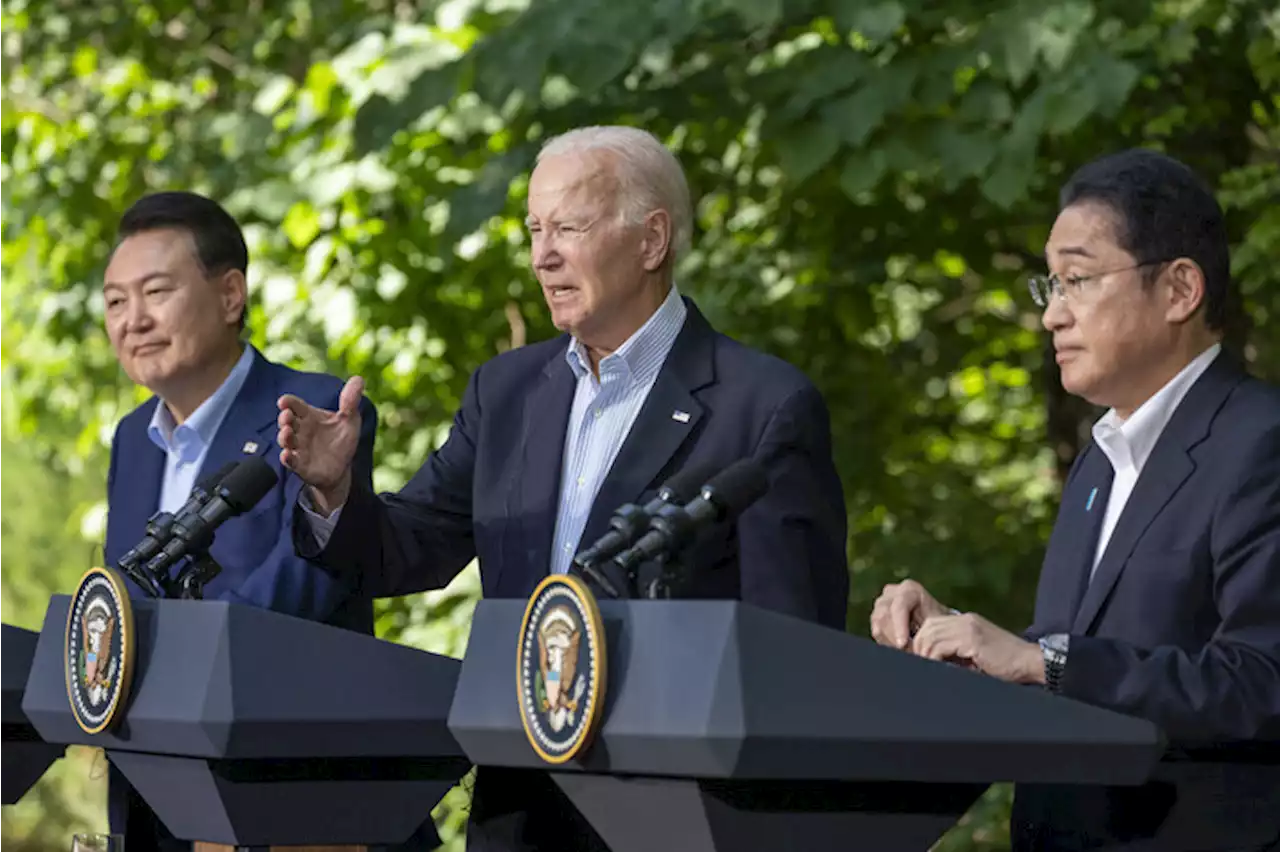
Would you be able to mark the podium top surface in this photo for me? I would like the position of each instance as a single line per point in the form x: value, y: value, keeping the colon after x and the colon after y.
x: 220, y: 680
x: 19, y: 647
x: 721, y: 689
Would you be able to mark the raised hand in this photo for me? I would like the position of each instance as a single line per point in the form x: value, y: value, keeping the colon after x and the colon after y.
x: 319, y: 445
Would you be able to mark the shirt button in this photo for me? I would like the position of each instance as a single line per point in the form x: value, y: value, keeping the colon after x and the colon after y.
x: 568, y: 548
x: 598, y: 414
x: 582, y: 480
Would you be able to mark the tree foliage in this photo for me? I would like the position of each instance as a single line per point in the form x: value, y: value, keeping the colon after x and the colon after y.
x: 874, y: 180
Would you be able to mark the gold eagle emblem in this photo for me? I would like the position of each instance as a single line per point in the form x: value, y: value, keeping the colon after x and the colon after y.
x: 97, y: 627
x: 559, y: 639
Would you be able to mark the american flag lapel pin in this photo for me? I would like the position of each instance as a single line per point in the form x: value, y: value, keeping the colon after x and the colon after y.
x: 680, y: 416
x: 250, y: 447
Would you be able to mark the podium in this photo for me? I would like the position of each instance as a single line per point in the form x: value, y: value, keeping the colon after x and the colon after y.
x: 26, y: 755
x: 728, y: 727
x: 251, y: 728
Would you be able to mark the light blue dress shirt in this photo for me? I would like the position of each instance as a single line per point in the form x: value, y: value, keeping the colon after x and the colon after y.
x: 604, y: 410
x: 186, y: 445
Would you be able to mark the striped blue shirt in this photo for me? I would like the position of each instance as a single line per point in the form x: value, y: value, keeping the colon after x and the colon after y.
x: 603, y: 412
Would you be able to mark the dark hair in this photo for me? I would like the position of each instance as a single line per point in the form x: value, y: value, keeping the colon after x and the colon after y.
x: 1163, y: 211
x: 219, y: 241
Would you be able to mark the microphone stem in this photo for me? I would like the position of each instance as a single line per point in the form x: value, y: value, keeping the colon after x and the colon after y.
x: 591, y: 573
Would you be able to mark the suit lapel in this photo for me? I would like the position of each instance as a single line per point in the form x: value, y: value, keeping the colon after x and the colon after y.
x: 249, y: 429
x: 537, y: 498
x: 669, y: 416
x: 1101, y: 477
x: 139, y: 476
x: 1165, y: 471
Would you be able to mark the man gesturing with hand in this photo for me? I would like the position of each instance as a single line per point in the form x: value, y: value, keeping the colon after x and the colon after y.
x: 551, y: 438
x: 320, y: 445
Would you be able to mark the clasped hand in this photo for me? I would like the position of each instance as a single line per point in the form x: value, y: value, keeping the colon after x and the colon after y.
x: 908, y: 618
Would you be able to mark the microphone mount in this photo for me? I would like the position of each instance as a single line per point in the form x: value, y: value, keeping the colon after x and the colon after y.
x: 588, y: 569
x: 199, y: 570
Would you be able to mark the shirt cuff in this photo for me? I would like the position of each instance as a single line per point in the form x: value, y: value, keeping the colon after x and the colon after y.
x: 321, y: 526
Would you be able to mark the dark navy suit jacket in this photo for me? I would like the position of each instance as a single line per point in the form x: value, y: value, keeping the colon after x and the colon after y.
x: 493, y: 491
x: 1180, y: 626
x: 255, y: 550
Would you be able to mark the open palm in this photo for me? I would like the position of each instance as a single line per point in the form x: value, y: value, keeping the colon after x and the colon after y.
x: 319, y: 445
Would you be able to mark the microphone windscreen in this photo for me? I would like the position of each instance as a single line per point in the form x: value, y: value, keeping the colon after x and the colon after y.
x: 741, y: 484
x: 685, y: 484
x: 213, y: 480
x: 247, y: 484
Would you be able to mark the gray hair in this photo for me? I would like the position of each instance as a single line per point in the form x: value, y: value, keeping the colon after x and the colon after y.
x: 649, y: 175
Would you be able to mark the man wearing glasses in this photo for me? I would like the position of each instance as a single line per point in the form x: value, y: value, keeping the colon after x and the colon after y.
x: 1159, y: 596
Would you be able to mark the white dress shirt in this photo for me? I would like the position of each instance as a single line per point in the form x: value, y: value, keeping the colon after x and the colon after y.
x: 1128, y: 442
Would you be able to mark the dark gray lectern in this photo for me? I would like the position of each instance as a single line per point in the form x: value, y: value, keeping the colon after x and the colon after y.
x: 251, y: 728
x: 727, y: 727
x: 26, y: 755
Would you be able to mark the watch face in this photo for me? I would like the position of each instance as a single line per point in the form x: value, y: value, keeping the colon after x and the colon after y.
x: 1055, y: 642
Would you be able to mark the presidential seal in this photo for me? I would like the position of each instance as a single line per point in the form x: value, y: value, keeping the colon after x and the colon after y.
x: 99, y: 649
x: 560, y: 671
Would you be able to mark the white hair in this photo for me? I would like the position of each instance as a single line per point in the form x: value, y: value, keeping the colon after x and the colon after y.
x: 649, y: 175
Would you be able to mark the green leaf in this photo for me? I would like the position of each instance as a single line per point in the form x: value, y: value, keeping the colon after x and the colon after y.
x: 513, y: 60
x: 1111, y: 81
x: 824, y: 72
x: 1070, y: 106
x: 379, y: 118
x: 485, y: 197
x: 1019, y: 50
x: 961, y: 154
x: 986, y: 103
x: 806, y: 149
x: 757, y: 13
x: 591, y: 67
x: 301, y: 224
x: 1008, y: 182
x: 1015, y: 166
x: 377, y: 121
x: 432, y: 88
x: 856, y: 116
x: 874, y: 21
x: 1060, y: 28
x: 862, y: 171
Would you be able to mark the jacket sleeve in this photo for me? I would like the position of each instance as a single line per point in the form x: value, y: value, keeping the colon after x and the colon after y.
x: 417, y: 539
x: 286, y: 582
x: 792, y: 542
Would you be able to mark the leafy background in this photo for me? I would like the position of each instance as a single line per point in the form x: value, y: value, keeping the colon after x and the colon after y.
x: 874, y: 181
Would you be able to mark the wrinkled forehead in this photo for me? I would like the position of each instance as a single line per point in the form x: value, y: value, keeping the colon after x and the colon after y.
x: 573, y: 185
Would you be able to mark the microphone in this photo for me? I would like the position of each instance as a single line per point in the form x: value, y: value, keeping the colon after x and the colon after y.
x: 192, y: 532
x: 630, y: 521
x: 159, y: 529
x: 725, y: 497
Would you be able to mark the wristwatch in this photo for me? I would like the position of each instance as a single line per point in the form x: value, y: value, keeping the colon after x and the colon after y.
x: 1054, y: 648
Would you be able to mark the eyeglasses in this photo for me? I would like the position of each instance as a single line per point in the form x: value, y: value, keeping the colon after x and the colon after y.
x: 1043, y: 287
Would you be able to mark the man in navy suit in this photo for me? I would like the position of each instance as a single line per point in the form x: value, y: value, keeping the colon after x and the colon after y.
x: 175, y: 305
x: 1160, y: 591
x: 551, y: 438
